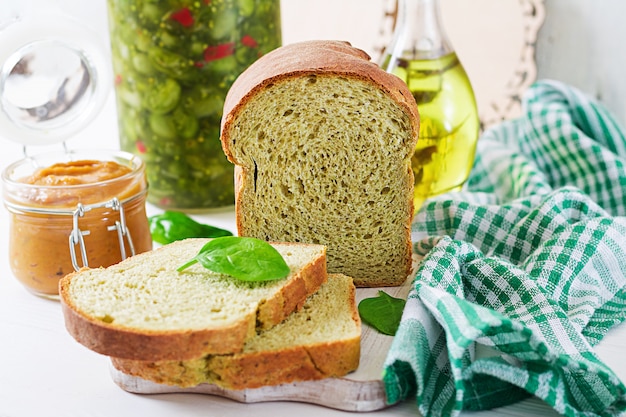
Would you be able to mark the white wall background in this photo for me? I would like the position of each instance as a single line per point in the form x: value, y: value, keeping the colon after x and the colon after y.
x: 583, y: 42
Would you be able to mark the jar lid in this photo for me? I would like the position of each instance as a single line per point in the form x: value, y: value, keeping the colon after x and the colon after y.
x: 54, y: 78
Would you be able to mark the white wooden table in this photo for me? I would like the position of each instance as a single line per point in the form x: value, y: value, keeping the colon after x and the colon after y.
x: 43, y: 371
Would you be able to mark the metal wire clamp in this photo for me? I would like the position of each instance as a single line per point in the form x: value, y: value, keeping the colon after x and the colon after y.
x: 77, y: 235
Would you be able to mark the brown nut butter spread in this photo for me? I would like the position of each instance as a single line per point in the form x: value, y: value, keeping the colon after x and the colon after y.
x: 41, y: 207
x: 77, y: 172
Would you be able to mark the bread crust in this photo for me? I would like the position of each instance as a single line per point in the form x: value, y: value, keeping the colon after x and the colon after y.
x: 132, y: 343
x: 256, y: 369
x: 245, y: 371
x: 320, y: 58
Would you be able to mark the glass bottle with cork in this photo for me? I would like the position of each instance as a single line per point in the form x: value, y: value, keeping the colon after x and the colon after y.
x: 421, y: 55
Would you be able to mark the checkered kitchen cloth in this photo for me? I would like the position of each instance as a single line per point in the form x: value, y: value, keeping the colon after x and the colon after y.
x: 524, y: 271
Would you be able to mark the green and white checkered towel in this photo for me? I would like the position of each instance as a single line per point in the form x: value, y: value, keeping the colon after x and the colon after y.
x: 524, y: 271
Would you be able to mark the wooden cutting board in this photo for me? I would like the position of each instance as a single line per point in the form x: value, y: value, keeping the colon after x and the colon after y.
x: 362, y: 390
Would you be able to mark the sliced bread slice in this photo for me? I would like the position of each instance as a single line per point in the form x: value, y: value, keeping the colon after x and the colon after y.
x: 320, y: 340
x: 322, y: 141
x: 143, y: 308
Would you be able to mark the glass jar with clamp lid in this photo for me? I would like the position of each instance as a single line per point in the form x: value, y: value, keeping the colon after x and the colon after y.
x: 74, y: 208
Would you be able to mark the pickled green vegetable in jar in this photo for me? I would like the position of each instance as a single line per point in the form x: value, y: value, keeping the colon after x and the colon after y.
x: 174, y: 62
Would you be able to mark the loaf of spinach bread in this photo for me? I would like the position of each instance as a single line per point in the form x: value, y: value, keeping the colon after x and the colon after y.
x: 143, y: 308
x: 320, y: 340
x: 322, y: 140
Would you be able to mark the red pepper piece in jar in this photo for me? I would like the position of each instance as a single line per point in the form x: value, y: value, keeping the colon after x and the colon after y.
x: 141, y: 147
x: 249, y: 41
x: 211, y: 53
x: 183, y: 16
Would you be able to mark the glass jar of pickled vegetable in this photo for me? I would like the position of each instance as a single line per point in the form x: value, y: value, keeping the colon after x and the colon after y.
x: 174, y: 62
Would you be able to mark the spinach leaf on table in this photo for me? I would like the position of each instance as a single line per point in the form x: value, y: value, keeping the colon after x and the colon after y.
x: 382, y: 312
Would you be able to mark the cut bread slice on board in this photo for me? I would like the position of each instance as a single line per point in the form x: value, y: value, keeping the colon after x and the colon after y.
x: 360, y: 391
x: 143, y: 308
x: 321, y: 340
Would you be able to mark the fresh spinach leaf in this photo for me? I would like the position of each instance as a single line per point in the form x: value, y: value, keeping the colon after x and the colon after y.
x: 382, y: 312
x: 173, y: 225
x: 244, y: 258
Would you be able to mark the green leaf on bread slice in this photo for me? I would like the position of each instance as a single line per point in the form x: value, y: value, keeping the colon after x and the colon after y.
x: 244, y: 258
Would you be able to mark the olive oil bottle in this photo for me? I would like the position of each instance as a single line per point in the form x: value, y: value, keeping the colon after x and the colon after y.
x: 421, y: 55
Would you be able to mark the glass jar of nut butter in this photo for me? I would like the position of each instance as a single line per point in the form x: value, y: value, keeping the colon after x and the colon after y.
x: 72, y: 210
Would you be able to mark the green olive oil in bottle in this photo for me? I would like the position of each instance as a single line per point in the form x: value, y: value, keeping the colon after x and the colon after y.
x: 421, y: 55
